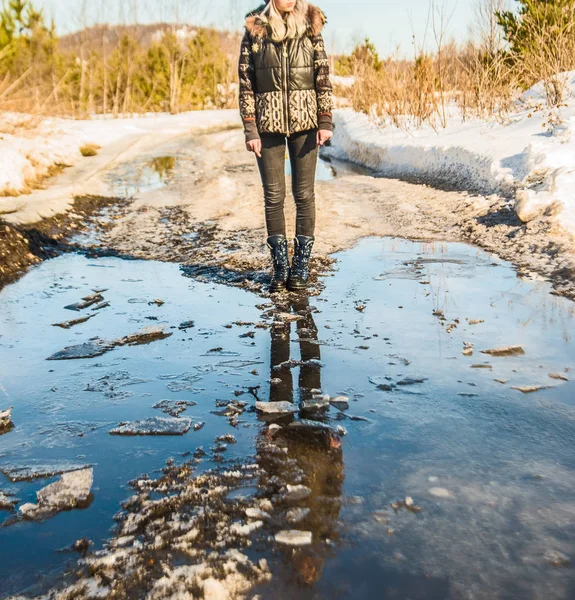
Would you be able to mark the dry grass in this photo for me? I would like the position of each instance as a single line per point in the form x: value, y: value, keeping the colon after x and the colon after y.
x: 38, y: 183
x: 481, y: 78
x: 89, y: 150
x: 407, y: 93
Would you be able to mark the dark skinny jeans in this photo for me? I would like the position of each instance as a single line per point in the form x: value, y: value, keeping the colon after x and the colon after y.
x: 303, y: 153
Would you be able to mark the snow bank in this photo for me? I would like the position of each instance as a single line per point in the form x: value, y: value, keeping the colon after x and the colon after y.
x: 530, y: 158
x: 30, y: 149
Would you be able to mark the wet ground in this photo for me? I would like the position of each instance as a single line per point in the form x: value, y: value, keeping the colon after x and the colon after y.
x: 453, y: 475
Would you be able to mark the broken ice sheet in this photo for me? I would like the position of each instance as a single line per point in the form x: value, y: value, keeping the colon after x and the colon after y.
x: 65, y: 434
x: 86, y: 302
x: 71, y: 323
x: 89, y: 349
x: 154, y: 426
x: 293, y: 537
x: 174, y: 407
x: 107, y: 383
x: 7, y: 500
x: 220, y: 352
x: 184, y: 383
x: 238, y: 364
x: 276, y: 408
x: 144, y: 336
x: 37, y: 469
x: 97, y: 346
x: 72, y: 490
x: 505, y: 351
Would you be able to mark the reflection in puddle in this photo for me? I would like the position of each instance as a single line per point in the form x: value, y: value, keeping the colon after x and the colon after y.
x: 134, y: 178
x: 162, y: 165
x: 490, y: 468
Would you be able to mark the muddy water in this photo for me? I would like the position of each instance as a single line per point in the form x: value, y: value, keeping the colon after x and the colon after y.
x: 490, y: 469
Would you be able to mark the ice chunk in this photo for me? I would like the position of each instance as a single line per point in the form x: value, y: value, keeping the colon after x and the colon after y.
x: 72, y: 490
x: 293, y: 537
x: 7, y: 501
x: 35, y: 470
x: 71, y: 323
x: 318, y: 403
x: 6, y: 420
x: 297, y: 492
x: 276, y: 408
x: 295, y: 515
x: 89, y: 349
x: 245, y: 530
x: 256, y: 513
x: 505, y: 351
x: 340, y: 402
x: 154, y: 426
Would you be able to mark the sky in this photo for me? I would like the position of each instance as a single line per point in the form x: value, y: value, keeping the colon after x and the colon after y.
x: 389, y: 24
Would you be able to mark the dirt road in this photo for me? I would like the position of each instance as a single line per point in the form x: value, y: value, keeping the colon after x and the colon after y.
x: 198, y: 202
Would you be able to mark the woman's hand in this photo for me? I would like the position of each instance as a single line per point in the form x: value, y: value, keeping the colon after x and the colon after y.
x: 255, y: 146
x: 322, y: 136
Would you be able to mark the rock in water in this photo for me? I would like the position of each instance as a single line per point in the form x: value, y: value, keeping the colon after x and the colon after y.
x: 154, y: 426
x: 505, y: 351
x: 276, y: 408
x: 71, y: 491
x: 293, y: 537
x: 6, y: 420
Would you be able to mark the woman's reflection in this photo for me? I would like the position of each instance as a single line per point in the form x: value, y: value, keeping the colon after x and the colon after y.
x: 314, y: 454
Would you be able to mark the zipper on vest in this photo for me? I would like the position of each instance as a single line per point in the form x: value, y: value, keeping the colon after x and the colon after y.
x: 286, y: 85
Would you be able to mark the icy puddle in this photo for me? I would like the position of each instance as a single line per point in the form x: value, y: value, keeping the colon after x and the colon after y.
x: 425, y: 468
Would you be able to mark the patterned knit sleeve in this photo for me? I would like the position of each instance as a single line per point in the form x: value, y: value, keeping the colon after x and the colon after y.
x: 323, y: 86
x: 246, y: 91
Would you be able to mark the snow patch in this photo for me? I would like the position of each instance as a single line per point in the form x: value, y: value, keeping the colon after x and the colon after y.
x: 530, y: 158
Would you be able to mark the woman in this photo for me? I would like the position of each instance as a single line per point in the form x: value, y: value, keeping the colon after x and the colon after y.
x: 285, y: 94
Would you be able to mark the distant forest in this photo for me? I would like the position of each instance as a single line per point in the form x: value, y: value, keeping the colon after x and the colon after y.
x: 127, y: 69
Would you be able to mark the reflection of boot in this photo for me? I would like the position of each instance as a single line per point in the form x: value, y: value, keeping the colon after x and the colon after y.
x: 299, y: 273
x: 281, y: 381
x: 279, y: 250
x: 310, y: 370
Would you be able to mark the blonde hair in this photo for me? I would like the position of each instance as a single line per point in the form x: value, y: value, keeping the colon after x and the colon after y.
x: 293, y: 25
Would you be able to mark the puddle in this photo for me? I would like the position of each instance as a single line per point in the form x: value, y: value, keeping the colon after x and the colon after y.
x: 138, y: 177
x: 448, y: 484
x: 323, y: 172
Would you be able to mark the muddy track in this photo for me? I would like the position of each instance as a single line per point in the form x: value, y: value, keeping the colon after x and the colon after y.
x: 22, y: 246
x: 205, y: 212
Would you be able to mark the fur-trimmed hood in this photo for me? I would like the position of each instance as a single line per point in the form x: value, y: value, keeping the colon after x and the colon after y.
x: 256, y: 23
